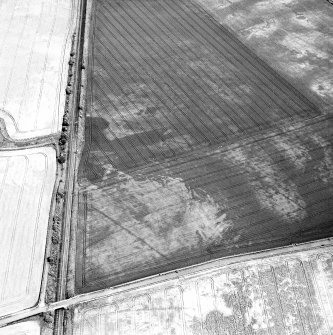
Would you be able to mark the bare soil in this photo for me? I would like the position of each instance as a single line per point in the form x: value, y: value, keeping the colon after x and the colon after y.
x: 195, y: 148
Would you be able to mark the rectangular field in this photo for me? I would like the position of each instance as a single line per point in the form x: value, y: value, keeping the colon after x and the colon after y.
x: 195, y: 148
x: 26, y: 186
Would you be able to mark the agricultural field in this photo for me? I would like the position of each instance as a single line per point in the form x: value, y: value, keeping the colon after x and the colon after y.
x: 27, y: 180
x: 280, y: 294
x: 166, y: 78
x: 294, y: 36
x: 195, y: 148
x: 191, y: 189
x: 35, y: 43
x: 22, y: 328
x: 253, y: 194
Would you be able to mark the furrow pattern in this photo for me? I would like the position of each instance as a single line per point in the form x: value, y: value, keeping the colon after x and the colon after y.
x: 194, y: 148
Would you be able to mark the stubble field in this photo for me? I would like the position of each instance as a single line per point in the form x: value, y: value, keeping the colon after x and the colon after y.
x: 26, y: 186
x: 35, y: 43
x: 283, y: 294
x: 22, y: 328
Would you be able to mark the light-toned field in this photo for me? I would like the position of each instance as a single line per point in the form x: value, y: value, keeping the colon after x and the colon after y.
x: 281, y: 294
x: 27, y: 180
x: 294, y: 36
x: 35, y: 42
x: 23, y: 328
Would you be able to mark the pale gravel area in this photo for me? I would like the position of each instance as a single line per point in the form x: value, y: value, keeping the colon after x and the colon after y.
x: 295, y: 37
x: 281, y: 294
x: 35, y: 43
x: 27, y: 180
x: 166, y: 200
x: 22, y: 328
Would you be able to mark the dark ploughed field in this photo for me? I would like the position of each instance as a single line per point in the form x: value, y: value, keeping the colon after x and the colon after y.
x: 195, y: 148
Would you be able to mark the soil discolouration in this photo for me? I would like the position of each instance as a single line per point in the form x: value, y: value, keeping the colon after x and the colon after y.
x: 293, y: 36
x: 147, y: 211
x: 272, y: 188
x: 195, y: 148
x: 216, y: 201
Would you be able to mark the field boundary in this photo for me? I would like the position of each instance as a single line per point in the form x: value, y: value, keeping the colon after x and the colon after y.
x: 67, y: 304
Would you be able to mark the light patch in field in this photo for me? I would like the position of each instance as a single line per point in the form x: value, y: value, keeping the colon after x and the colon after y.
x: 303, y: 45
x: 183, y: 216
x: 262, y: 30
x: 22, y: 328
x: 324, y: 166
x: 323, y: 86
x: 296, y: 152
x: 297, y: 68
x: 130, y: 112
x: 295, y: 39
x: 271, y: 187
x: 152, y: 218
x: 35, y: 43
x: 304, y: 19
x: 219, y: 4
x: 272, y: 5
x: 26, y: 184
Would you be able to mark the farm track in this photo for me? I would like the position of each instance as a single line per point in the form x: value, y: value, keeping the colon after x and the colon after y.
x: 258, y: 296
x: 71, y: 168
x: 194, y: 147
x: 320, y: 247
